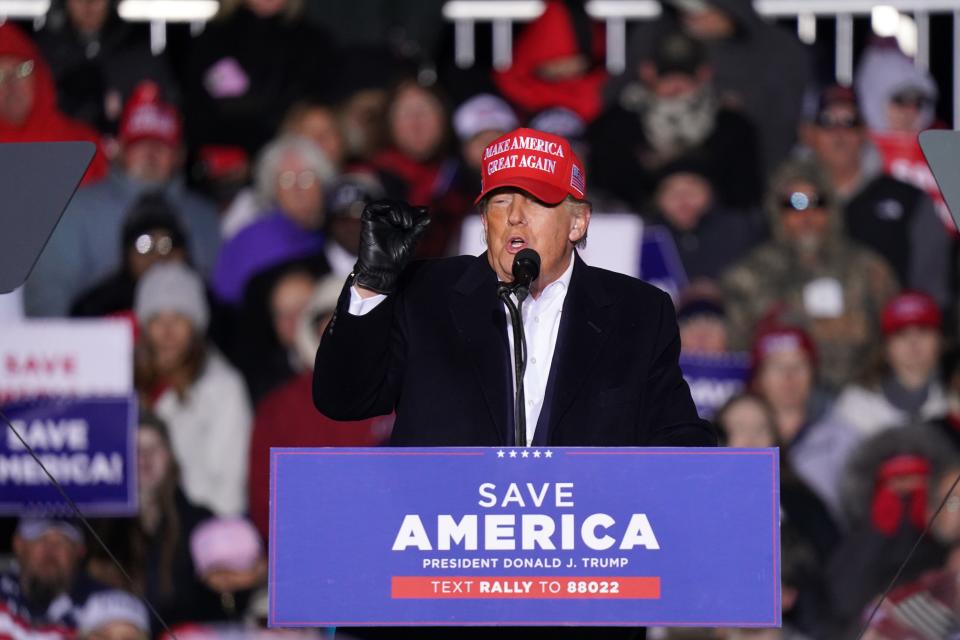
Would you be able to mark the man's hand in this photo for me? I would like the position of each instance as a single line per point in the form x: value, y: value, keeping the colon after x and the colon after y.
x: 388, y: 237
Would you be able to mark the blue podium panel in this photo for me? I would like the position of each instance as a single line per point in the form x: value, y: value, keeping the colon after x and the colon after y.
x: 562, y: 536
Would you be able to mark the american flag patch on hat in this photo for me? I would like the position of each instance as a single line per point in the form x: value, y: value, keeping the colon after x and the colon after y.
x: 576, y: 179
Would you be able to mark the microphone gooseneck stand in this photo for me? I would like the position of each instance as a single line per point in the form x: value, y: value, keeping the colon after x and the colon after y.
x: 519, y: 358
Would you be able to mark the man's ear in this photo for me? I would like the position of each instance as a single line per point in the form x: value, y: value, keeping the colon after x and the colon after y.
x: 580, y: 220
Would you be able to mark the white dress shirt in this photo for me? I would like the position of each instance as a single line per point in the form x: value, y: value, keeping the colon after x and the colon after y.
x: 541, y: 325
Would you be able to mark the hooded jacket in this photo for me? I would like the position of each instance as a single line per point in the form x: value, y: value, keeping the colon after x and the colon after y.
x: 45, y: 123
x: 761, y: 69
x: 554, y: 35
x: 837, y: 296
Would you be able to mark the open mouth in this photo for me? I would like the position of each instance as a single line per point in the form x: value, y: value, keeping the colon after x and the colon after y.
x: 515, y: 244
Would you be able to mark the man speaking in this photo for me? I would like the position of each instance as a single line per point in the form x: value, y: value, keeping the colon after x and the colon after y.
x: 433, y: 340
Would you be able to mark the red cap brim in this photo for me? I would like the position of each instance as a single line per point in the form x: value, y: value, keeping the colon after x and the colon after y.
x: 542, y: 191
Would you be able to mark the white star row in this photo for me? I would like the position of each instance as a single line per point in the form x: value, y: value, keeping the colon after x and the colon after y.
x: 524, y: 453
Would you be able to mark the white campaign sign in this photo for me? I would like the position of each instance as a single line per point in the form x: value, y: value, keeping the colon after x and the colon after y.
x: 66, y: 358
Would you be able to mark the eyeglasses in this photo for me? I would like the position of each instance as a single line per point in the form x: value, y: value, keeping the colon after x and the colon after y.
x: 849, y: 121
x: 798, y: 201
x: 145, y: 244
x: 21, y: 71
x: 910, y: 99
x: 301, y: 180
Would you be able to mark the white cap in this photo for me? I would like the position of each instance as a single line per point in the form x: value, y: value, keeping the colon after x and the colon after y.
x: 104, y: 607
x: 483, y: 112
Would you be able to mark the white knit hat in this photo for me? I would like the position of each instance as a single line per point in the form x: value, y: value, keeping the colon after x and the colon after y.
x: 104, y: 607
x: 170, y: 286
x: 483, y: 112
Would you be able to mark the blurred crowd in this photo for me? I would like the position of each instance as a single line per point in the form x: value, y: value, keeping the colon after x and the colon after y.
x: 221, y: 215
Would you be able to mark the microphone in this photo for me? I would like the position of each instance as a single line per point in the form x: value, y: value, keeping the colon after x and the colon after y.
x: 526, y: 269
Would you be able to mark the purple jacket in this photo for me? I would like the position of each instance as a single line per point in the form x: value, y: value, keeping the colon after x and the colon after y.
x: 272, y: 239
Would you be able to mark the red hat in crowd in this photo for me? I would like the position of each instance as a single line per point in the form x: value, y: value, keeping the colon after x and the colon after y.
x: 540, y: 163
x: 147, y: 117
x: 776, y: 339
x: 910, y: 309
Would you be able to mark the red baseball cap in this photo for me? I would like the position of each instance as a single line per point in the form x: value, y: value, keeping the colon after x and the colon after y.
x: 540, y: 163
x: 910, y: 309
x: 781, y: 338
x: 147, y: 117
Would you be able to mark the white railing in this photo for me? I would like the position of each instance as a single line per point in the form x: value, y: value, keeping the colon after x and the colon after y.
x: 616, y: 13
x: 502, y: 14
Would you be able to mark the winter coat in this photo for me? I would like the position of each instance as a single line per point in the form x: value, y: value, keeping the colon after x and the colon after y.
x: 763, y: 70
x: 774, y: 282
x: 286, y: 417
x: 210, y: 434
x: 45, y: 123
x: 899, y: 222
x: 819, y: 453
x: 869, y: 411
x: 562, y: 30
x: 85, y: 247
x: 271, y: 240
x: 245, y: 72
x: 720, y: 239
x: 623, y: 162
x: 95, y: 75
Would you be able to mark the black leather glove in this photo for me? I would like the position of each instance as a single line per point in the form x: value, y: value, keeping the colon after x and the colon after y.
x: 389, y: 234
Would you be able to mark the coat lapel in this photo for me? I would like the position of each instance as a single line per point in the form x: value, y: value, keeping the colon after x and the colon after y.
x: 480, y: 320
x: 584, y: 327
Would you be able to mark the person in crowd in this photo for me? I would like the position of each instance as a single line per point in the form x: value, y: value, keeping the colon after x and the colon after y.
x: 320, y: 122
x: 757, y: 67
x: 192, y: 387
x: 349, y: 194
x: 314, y: 120
x: 816, y: 441
x: 898, y: 101
x: 810, y: 274
x: 893, y: 218
x: 709, y: 236
x: 266, y: 327
x: 238, y: 94
x: 928, y: 606
x: 477, y: 122
x: 28, y: 101
x: 362, y: 95
x: 702, y: 321
x: 151, y: 234
x: 286, y: 417
x: 887, y: 488
x: 670, y: 112
x: 97, y: 60
x: 230, y: 560
x: 48, y: 585
x: 154, y: 545
x: 557, y: 62
x: 291, y: 178
x: 902, y: 386
x: 748, y: 420
x: 83, y: 250
x: 418, y: 166
x: 113, y: 615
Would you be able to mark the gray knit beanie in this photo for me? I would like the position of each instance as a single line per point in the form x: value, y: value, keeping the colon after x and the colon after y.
x: 175, y: 287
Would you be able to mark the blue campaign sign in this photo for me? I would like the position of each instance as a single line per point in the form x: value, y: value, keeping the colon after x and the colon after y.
x: 88, y: 444
x: 714, y: 378
x: 563, y: 536
x: 660, y: 263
